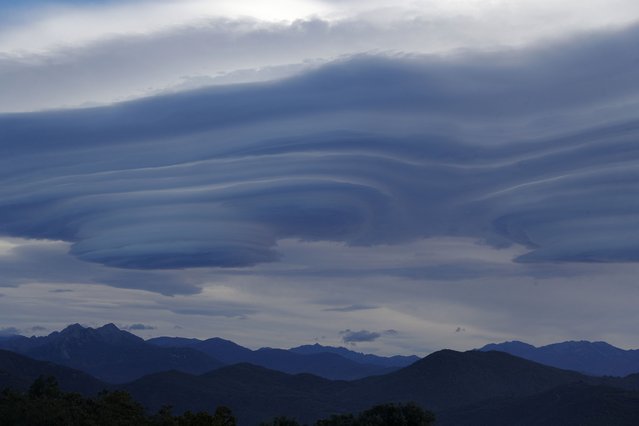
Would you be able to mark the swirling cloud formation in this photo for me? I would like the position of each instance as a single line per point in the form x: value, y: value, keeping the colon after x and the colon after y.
x: 535, y: 147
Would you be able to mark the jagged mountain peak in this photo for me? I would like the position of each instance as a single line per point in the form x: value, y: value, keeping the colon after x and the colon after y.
x: 108, y: 334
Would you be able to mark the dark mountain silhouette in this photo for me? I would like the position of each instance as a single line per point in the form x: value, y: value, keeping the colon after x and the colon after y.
x: 474, y: 387
x: 441, y: 381
x: 448, y: 378
x: 396, y: 361
x: 630, y: 382
x: 110, y: 354
x: 593, y: 358
x: 226, y: 351
x: 15, y: 343
x: 323, y: 364
x: 327, y: 365
x: 173, y: 342
x: 253, y: 393
x: 575, y: 404
x: 19, y: 372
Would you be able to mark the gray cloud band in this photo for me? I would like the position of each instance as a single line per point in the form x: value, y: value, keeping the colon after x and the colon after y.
x: 353, y: 152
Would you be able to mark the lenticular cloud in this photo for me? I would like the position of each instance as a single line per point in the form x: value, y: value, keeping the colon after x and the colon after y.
x: 367, y: 150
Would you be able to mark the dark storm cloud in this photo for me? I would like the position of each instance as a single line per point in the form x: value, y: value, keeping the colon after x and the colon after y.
x: 354, y: 152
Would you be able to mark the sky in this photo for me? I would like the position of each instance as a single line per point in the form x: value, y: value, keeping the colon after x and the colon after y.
x: 396, y: 177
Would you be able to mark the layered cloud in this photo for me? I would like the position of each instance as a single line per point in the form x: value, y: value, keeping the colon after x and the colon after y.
x: 48, y: 262
x: 534, y: 147
x: 68, y: 53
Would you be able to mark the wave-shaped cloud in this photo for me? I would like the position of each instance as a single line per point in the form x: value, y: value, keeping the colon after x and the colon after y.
x: 67, y: 53
x: 368, y: 150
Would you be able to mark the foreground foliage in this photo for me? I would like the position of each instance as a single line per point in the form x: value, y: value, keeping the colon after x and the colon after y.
x: 380, y: 415
x: 46, y: 405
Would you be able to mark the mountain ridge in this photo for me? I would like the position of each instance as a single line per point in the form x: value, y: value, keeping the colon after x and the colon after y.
x: 322, y: 363
x: 593, y: 358
x: 441, y: 381
x: 462, y: 386
x: 392, y: 361
x: 108, y: 353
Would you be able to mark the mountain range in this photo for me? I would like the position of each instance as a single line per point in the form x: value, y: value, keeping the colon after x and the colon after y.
x: 324, y: 361
x: 487, y: 386
x: 462, y: 388
x: 19, y: 372
x: 117, y: 356
x: 108, y: 353
x: 593, y: 358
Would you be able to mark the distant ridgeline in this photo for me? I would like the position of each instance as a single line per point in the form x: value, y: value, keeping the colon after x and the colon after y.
x: 117, y: 356
x: 593, y: 358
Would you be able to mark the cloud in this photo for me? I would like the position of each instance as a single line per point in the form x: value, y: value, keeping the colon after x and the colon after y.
x: 37, y: 328
x: 48, y: 261
x: 139, y: 327
x: 215, y: 311
x: 353, y: 152
x: 98, y: 55
x: 352, y: 337
x: 351, y: 308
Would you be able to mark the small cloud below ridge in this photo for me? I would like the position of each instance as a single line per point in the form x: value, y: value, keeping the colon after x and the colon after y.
x: 353, y: 337
x: 139, y: 327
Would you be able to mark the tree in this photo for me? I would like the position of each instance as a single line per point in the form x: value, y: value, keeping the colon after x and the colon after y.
x: 119, y: 408
x: 396, y: 415
x: 281, y: 421
x: 45, y: 387
x: 384, y: 415
x: 46, y: 405
x: 223, y: 417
